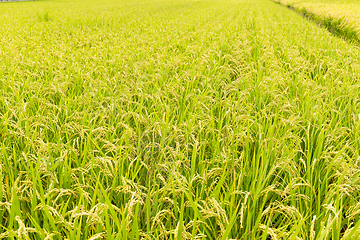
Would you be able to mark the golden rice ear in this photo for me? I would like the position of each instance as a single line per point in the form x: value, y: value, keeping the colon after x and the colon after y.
x: 269, y: 230
x: 312, y: 228
x: 97, y: 236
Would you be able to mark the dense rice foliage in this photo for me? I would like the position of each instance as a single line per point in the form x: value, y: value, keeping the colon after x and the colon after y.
x: 342, y: 17
x: 176, y: 119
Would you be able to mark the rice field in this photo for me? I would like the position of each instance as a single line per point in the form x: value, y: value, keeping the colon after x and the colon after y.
x: 178, y: 119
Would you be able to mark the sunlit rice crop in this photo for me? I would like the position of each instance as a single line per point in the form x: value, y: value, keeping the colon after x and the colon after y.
x: 181, y: 119
x: 341, y: 17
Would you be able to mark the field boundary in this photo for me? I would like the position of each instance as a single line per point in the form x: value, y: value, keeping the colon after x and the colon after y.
x: 335, y: 26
